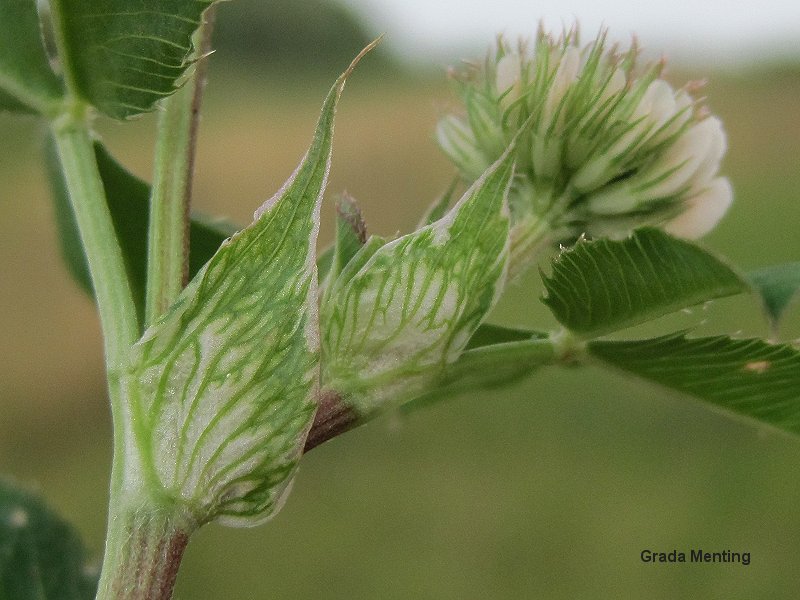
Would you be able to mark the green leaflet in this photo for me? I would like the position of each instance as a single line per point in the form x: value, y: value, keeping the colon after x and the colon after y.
x: 495, y: 357
x: 602, y: 286
x: 128, y: 201
x: 391, y: 322
x: 124, y: 56
x: 227, y: 379
x: 777, y: 285
x: 27, y: 83
x: 748, y: 377
x: 41, y: 557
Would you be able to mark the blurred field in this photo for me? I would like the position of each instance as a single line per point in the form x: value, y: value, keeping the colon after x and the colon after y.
x: 548, y: 490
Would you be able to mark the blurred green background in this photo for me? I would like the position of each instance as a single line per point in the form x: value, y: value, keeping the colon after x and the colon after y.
x: 549, y: 489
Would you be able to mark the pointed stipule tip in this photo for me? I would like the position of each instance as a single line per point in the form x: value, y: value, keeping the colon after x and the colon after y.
x: 369, y: 47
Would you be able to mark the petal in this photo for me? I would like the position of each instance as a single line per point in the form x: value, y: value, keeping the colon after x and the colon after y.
x: 679, y: 163
x: 457, y: 140
x: 507, y: 73
x: 703, y: 211
x: 717, y: 147
x: 662, y: 103
x: 565, y: 76
x: 615, y: 85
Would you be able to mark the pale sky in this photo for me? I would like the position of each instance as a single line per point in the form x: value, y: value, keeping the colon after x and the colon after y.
x: 701, y: 31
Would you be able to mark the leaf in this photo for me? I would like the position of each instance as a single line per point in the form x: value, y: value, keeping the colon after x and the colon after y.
x: 488, y: 365
x: 777, y: 286
x: 488, y: 335
x: 748, y: 377
x: 439, y: 207
x: 41, y: 557
x: 227, y: 379
x: 128, y: 200
x: 124, y: 56
x: 413, y: 305
x: 27, y: 83
x: 602, y: 286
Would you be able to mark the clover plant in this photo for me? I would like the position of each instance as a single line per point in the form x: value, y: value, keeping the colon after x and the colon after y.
x: 232, y: 352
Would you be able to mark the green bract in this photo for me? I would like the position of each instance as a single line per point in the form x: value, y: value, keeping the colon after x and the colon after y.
x: 224, y: 386
x: 612, y: 147
x: 401, y: 311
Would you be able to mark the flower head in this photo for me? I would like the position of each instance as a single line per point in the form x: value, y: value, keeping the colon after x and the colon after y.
x: 609, y: 145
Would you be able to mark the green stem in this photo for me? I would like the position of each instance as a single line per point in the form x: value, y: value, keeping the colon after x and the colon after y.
x: 147, y: 533
x: 139, y: 510
x: 492, y: 366
x: 168, y: 243
x: 485, y: 367
x: 167, y: 234
x: 488, y: 367
x: 106, y: 265
x: 143, y: 554
x: 87, y: 196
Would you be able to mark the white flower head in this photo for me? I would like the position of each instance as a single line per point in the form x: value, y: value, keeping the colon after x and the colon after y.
x: 609, y: 145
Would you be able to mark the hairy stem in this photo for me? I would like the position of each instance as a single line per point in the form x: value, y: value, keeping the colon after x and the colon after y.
x: 143, y: 554
x: 170, y: 199
x: 98, y: 236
